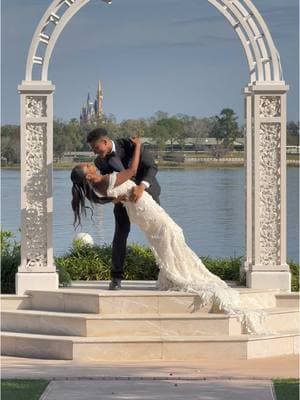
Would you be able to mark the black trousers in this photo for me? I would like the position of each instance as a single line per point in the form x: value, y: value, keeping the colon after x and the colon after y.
x: 122, y: 229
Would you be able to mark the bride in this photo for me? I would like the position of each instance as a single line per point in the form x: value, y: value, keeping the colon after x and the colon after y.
x: 180, y: 268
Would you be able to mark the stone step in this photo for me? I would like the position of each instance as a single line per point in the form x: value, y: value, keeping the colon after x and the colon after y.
x: 135, y: 301
x: 198, y: 324
x: 54, y: 323
x: 15, y: 302
x: 103, y: 285
x: 287, y: 300
x: 166, y: 348
x: 282, y: 319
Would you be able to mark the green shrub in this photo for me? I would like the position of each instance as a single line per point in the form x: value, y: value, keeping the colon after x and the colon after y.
x: 294, y: 268
x: 227, y: 269
x: 10, y: 261
x: 140, y: 263
x: 63, y: 276
x: 85, y: 262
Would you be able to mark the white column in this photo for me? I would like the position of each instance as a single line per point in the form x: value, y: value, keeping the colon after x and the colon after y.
x: 248, y: 182
x: 268, y: 268
x: 37, y: 269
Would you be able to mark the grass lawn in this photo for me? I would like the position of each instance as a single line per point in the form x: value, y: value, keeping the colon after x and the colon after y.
x: 286, y: 389
x: 19, y: 389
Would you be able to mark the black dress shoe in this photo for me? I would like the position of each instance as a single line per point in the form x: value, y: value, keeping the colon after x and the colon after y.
x: 115, y: 284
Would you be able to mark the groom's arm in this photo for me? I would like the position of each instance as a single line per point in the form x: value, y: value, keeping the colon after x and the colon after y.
x: 149, y: 167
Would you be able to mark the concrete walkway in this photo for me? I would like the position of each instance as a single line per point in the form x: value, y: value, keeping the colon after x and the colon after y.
x: 201, y: 380
x: 258, y: 369
x: 158, y: 390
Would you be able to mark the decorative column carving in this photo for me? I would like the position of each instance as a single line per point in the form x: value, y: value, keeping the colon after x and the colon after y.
x: 36, y: 194
x: 269, y: 190
x: 266, y: 259
x: 37, y: 269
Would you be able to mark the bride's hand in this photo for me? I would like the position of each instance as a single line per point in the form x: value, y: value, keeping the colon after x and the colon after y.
x: 136, y: 193
x: 119, y: 199
x: 136, y: 140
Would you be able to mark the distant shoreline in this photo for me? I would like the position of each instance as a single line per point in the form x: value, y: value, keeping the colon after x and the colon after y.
x: 171, y: 165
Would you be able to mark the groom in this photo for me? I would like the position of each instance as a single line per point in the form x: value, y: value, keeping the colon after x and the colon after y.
x: 115, y: 156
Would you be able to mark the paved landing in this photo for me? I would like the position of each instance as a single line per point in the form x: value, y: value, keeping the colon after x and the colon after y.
x: 158, y: 390
x: 261, y: 369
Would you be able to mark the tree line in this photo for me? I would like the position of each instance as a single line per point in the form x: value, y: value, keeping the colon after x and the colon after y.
x: 161, y: 128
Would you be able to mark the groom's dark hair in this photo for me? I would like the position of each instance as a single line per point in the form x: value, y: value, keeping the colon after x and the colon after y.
x: 96, y: 134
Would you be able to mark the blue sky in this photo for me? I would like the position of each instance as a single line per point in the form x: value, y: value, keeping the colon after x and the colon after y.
x: 169, y: 55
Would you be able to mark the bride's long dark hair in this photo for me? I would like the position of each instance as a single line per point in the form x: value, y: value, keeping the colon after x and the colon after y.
x: 81, y: 190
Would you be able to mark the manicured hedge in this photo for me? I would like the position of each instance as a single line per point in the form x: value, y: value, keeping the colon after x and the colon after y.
x: 94, y: 262
x: 83, y: 262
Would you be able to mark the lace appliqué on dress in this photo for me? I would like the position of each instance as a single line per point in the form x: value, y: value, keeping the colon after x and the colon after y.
x: 180, y: 268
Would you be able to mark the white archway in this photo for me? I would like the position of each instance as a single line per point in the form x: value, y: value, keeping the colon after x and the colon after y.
x: 265, y: 162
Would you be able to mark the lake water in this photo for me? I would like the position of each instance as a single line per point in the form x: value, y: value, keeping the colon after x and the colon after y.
x: 207, y: 203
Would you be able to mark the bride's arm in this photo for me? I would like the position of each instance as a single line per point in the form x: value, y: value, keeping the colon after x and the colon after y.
x: 101, y: 183
x: 128, y: 173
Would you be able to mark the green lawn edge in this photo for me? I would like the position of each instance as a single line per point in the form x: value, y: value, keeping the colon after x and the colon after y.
x: 23, y: 389
x: 286, y: 389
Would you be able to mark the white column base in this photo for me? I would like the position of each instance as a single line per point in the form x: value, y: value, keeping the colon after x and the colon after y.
x: 269, y: 280
x: 36, y: 281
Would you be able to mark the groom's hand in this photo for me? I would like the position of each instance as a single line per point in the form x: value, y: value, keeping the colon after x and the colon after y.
x: 137, y: 192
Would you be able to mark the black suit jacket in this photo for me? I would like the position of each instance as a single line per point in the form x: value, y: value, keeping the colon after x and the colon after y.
x: 147, y: 168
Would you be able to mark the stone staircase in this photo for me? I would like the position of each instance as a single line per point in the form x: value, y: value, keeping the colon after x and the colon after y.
x: 87, y: 322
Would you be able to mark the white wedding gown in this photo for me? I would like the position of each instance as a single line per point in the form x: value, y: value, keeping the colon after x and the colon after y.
x: 180, y: 268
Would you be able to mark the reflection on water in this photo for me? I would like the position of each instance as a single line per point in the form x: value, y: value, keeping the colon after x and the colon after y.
x: 208, y: 204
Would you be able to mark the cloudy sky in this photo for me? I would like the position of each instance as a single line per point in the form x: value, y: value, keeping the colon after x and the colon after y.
x: 170, y: 55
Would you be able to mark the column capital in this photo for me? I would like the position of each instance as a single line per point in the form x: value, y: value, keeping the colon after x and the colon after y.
x: 268, y: 87
x: 45, y: 87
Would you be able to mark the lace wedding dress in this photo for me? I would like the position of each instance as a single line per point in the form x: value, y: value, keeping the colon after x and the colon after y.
x: 180, y: 268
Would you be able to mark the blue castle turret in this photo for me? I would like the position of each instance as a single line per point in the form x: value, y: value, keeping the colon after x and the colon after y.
x: 92, y: 109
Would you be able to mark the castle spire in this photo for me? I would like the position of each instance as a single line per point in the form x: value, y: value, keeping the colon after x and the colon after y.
x: 99, y: 91
x: 93, y: 109
x: 99, y: 100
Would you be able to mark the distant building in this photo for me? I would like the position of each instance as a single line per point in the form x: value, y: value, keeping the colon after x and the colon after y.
x: 92, y: 110
x: 185, y: 153
x: 292, y: 149
x: 191, y: 144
